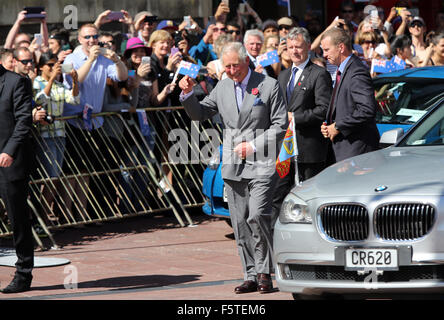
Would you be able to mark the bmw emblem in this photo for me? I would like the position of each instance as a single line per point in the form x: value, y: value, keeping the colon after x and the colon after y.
x: 380, y: 188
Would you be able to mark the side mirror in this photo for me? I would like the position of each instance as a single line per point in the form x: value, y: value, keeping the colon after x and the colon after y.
x: 391, y: 137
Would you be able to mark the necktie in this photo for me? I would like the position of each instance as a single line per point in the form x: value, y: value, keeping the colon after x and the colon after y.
x: 239, y: 95
x: 290, y: 87
x: 338, y: 79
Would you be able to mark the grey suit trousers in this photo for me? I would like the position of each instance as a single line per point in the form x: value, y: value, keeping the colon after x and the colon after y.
x: 250, y: 207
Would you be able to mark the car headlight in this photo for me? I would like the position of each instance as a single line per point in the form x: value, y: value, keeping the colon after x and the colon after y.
x: 214, y: 162
x: 294, y: 210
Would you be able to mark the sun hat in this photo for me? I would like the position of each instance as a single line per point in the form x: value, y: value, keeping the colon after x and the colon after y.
x: 135, y: 43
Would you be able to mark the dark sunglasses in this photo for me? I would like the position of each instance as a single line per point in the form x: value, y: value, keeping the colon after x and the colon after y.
x: 109, y: 43
x: 220, y: 29
x: 234, y: 31
x: 284, y: 27
x: 26, y: 61
x: 50, y: 65
x: 369, y: 42
x: 95, y: 37
x: 416, y: 24
x: 347, y: 11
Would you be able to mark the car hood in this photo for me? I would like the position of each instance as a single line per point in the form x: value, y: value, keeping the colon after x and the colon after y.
x: 401, y: 170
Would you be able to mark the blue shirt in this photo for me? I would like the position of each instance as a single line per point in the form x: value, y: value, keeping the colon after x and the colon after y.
x: 92, y: 89
x: 202, y: 53
x: 343, y: 64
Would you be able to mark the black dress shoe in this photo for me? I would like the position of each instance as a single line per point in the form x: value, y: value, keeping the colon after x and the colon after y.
x: 264, y: 283
x: 18, y: 284
x: 246, y: 287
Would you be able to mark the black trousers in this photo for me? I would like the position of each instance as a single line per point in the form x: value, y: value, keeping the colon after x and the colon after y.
x: 14, y: 195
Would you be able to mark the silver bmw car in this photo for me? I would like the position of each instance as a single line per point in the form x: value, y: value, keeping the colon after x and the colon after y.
x: 370, y: 224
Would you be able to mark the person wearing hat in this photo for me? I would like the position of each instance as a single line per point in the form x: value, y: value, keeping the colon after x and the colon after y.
x: 284, y: 25
x: 270, y: 27
x: 417, y: 29
x: 144, y: 79
x: 168, y: 25
x: 145, y: 24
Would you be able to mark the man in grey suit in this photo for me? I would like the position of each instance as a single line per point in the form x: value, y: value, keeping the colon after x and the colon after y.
x: 253, y: 111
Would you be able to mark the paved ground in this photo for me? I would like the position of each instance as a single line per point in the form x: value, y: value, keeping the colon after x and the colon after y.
x: 143, y: 258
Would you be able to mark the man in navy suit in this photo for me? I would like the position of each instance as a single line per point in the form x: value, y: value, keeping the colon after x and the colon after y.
x: 307, y: 90
x: 15, y: 128
x: 350, y: 123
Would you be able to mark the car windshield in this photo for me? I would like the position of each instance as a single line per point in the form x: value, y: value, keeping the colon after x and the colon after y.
x: 429, y: 132
x: 405, y: 102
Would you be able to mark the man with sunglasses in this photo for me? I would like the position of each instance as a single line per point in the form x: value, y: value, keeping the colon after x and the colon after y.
x: 417, y: 29
x: 24, y: 63
x: 106, y: 40
x: 203, y: 52
x: 284, y: 25
x: 234, y: 29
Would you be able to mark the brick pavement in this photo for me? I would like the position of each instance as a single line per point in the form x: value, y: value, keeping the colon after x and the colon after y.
x: 142, y: 258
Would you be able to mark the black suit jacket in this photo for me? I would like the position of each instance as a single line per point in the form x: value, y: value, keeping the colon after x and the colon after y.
x: 15, y: 124
x: 309, y: 103
x: 354, y: 111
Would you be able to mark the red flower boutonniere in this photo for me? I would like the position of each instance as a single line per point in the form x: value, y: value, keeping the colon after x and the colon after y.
x: 299, y: 84
x: 255, y: 91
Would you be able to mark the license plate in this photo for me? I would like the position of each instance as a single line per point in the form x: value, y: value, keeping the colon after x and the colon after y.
x: 225, y: 197
x: 376, y: 258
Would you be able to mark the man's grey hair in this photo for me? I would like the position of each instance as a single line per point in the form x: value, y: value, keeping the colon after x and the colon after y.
x: 295, y: 32
x: 235, y: 47
x: 253, y: 33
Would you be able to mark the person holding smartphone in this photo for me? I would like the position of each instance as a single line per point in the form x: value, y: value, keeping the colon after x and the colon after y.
x: 50, y: 96
x: 145, y: 23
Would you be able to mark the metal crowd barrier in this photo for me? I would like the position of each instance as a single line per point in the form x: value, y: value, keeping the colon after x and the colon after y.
x: 118, y: 170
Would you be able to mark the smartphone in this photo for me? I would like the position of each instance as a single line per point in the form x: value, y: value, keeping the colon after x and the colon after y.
x: 38, y: 39
x: 187, y: 20
x: 150, y: 19
x: 34, y: 12
x: 174, y: 50
x: 227, y: 2
x: 242, y: 8
x: 66, y: 47
x: 67, y: 68
x: 211, y: 20
x: 146, y: 60
x: 103, y: 51
x: 115, y: 15
x: 374, y: 18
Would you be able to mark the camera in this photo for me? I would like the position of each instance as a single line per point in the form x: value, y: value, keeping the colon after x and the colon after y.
x: 49, y: 118
x: 177, y: 36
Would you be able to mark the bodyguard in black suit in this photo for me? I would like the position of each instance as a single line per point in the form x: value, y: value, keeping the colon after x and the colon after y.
x: 15, y: 148
x: 307, y: 90
x: 351, y: 123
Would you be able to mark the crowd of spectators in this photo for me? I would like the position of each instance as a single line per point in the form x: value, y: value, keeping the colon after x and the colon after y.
x: 111, y: 71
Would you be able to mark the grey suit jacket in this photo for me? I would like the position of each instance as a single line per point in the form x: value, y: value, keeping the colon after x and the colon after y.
x: 262, y: 120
